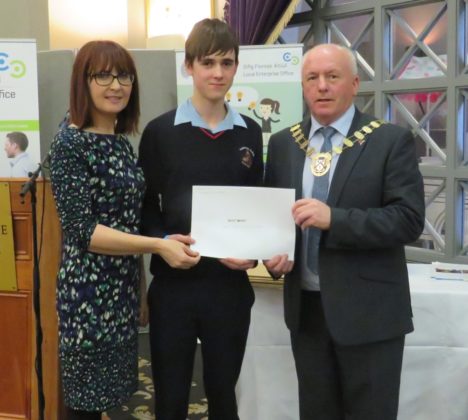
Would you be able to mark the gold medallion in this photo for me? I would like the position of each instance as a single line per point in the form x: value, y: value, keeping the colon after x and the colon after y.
x: 321, y: 163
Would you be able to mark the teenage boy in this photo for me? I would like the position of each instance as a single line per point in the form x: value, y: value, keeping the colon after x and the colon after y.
x: 202, y: 142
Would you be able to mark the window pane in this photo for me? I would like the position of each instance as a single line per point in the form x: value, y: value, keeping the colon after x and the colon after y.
x: 295, y: 34
x: 331, y: 3
x: 365, y: 103
x: 466, y: 35
x: 464, y: 93
x: 425, y: 113
x: 464, y: 199
x: 428, y: 23
x: 359, y: 32
x: 433, y: 236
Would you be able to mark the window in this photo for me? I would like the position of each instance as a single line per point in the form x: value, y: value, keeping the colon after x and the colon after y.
x: 414, y: 72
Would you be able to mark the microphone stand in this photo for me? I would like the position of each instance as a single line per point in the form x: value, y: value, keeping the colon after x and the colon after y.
x: 30, y: 186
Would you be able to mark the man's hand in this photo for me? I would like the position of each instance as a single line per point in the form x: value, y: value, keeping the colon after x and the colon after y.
x: 278, y: 265
x: 309, y: 212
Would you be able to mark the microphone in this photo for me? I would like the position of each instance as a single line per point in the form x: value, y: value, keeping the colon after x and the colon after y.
x: 33, y: 176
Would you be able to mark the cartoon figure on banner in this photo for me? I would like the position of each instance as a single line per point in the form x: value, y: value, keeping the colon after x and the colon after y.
x: 267, y: 108
x: 20, y: 162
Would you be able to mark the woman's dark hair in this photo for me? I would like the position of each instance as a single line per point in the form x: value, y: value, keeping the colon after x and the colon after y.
x: 95, y: 57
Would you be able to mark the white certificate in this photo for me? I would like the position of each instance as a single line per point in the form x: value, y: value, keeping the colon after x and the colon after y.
x: 243, y: 222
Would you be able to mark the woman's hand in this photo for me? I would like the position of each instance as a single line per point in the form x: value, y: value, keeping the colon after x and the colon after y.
x: 175, y: 250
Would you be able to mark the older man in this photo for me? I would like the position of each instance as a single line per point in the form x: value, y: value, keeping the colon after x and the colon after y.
x: 360, y: 200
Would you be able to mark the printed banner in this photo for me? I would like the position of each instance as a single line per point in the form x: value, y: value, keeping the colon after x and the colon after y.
x: 267, y: 86
x: 19, y: 108
x: 7, y: 251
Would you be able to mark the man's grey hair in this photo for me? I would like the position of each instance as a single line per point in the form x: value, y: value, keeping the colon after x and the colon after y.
x: 351, y: 54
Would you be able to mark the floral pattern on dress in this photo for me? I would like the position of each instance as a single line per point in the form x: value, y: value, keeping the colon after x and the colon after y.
x: 95, y: 180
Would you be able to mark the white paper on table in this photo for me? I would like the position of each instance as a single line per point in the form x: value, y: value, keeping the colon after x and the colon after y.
x: 243, y: 222
x: 449, y: 271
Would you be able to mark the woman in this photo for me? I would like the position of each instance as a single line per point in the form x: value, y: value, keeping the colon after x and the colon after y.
x: 98, y: 191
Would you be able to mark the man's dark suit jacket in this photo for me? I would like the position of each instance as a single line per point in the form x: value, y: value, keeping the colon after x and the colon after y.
x: 377, y: 206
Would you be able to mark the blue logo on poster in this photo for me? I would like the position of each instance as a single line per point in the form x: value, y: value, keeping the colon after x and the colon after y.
x: 17, y: 68
x: 288, y: 58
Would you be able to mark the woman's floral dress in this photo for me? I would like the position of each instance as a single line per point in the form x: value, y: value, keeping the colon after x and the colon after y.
x: 95, y: 180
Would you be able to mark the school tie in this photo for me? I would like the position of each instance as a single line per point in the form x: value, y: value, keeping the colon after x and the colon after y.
x: 319, y: 192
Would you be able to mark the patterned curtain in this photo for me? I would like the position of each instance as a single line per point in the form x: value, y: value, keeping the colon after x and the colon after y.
x: 258, y: 22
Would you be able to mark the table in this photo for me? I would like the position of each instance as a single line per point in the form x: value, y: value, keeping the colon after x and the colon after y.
x: 434, y: 383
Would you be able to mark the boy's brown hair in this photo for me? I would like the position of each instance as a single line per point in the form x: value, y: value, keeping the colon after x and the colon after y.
x: 210, y: 36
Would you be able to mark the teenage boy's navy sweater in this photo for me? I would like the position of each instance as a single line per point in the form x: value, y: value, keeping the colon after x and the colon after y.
x: 174, y: 158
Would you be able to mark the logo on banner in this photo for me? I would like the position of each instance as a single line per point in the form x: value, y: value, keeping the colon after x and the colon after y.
x: 289, y: 58
x: 16, y: 68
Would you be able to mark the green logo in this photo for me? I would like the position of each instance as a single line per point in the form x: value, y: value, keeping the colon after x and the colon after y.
x: 18, y: 69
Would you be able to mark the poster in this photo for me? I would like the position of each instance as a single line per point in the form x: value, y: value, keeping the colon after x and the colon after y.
x: 19, y: 108
x: 267, y: 86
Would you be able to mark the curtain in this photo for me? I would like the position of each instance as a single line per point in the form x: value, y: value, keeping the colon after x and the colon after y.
x: 258, y: 21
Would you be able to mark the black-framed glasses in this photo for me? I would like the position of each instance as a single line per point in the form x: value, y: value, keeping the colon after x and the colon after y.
x: 105, y: 78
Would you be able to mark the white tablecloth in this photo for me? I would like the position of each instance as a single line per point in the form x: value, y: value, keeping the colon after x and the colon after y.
x: 434, y: 383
